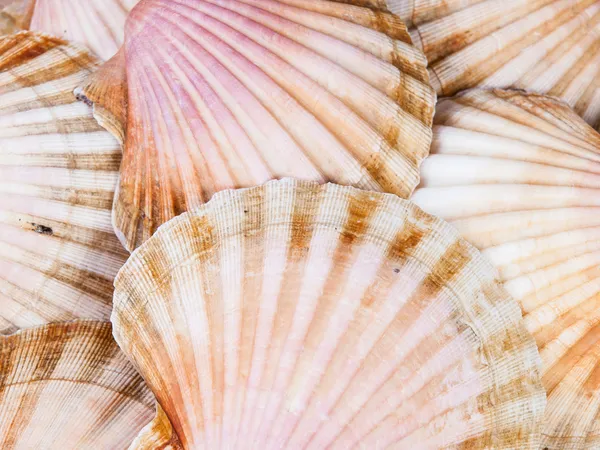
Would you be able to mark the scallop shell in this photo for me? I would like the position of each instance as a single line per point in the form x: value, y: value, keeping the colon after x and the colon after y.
x: 68, y: 386
x: 294, y: 315
x: 233, y: 93
x: 519, y: 176
x: 58, y: 172
x: 545, y: 46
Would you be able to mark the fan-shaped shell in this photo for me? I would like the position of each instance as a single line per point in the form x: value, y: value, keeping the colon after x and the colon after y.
x: 68, y: 386
x: 294, y: 315
x: 544, y: 46
x: 232, y: 93
x: 519, y: 176
x: 58, y: 172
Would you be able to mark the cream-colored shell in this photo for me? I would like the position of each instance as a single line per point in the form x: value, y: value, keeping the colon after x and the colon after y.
x: 293, y: 315
x: 97, y: 24
x: 58, y: 172
x: 545, y: 46
x: 519, y: 176
x: 68, y: 386
x: 234, y: 93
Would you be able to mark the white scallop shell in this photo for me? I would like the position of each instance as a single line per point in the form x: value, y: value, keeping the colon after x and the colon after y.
x: 519, y: 176
x: 294, y: 315
x: 58, y: 172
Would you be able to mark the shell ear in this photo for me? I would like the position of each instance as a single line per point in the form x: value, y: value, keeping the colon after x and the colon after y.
x: 157, y: 435
x: 106, y: 90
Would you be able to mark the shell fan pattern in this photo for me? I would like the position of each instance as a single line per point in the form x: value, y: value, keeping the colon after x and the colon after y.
x: 298, y: 315
x: 519, y: 176
x: 97, y: 24
x: 544, y: 46
x: 68, y: 386
x: 233, y: 93
x: 58, y: 172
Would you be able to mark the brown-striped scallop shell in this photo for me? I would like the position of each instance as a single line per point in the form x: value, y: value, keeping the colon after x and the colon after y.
x: 296, y: 315
x: 544, y: 46
x: 519, y: 176
x: 68, y: 386
x: 58, y: 172
x: 233, y: 93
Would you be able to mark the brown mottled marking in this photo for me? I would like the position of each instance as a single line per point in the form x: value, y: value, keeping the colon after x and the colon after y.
x: 204, y: 236
x: 500, y: 438
x: 59, y: 69
x: 22, y: 47
x: 361, y: 207
x: 474, y: 75
x: 390, y: 25
x: 306, y: 204
x: 450, y: 264
x: 7, y: 363
x: 51, y: 345
x: 409, y: 236
x: 377, y: 165
x: 377, y: 4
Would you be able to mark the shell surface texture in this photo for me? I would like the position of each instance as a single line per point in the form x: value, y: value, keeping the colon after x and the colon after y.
x: 58, y: 172
x: 519, y: 176
x: 233, y: 93
x: 97, y: 24
x: 297, y: 315
x: 15, y: 15
x: 544, y: 46
x: 68, y: 386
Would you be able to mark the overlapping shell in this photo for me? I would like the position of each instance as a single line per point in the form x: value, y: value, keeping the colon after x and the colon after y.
x: 58, y: 172
x: 543, y: 46
x: 68, y: 386
x: 519, y: 176
x: 293, y: 315
x: 98, y: 24
x: 232, y: 93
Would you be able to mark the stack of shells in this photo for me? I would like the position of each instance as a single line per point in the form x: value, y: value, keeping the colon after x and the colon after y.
x: 316, y: 260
